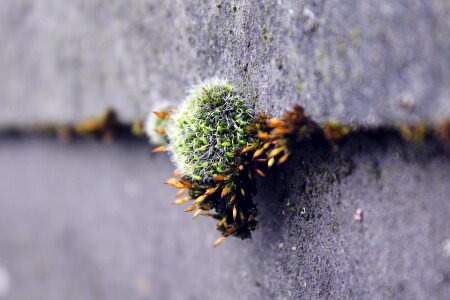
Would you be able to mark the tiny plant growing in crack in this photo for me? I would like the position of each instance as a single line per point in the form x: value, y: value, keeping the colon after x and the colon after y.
x: 208, y: 130
x: 219, y: 145
x: 155, y: 127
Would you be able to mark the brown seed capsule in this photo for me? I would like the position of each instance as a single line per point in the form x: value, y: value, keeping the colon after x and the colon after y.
x: 160, y: 131
x: 281, y: 131
x: 222, y: 222
x: 187, y: 184
x: 229, y: 231
x: 182, y: 200
x: 191, y: 208
x: 276, y: 151
x: 220, y: 178
x: 226, y: 190
x: 274, y: 122
x: 260, y: 172
x: 203, y: 214
x: 219, y: 241
x: 200, y: 199
x: 258, y: 153
x: 234, y: 212
x: 211, y: 191
x: 175, y: 183
x: 264, y: 135
x: 181, y: 192
x: 160, y: 149
x: 271, y: 162
x: 88, y: 126
x: 196, y: 214
x: 233, y: 197
x: 248, y: 148
x: 283, y: 158
x: 162, y: 114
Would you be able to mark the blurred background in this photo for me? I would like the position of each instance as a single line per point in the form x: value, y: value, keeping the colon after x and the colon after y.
x: 84, y: 213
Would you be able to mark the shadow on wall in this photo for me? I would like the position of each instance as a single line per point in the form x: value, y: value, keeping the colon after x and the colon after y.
x: 365, y: 221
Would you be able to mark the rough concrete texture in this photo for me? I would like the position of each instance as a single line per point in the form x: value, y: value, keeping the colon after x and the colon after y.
x: 90, y: 221
x: 368, y: 62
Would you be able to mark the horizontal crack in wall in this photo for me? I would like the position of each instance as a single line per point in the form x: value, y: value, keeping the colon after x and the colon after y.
x: 108, y: 128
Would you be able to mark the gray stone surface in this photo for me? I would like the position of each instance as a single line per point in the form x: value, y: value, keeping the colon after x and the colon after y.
x: 369, y: 62
x: 90, y: 221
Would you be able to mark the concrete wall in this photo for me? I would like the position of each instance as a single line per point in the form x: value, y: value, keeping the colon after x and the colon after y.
x: 371, y: 62
x: 90, y: 221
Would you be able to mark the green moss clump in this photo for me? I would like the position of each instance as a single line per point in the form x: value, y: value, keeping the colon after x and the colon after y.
x: 208, y: 130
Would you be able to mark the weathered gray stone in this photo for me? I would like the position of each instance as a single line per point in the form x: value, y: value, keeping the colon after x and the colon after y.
x: 369, y: 62
x: 89, y: 221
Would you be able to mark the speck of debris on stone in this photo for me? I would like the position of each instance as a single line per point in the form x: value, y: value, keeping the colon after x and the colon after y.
x: 280, y: 245
x: 446, y: 248
x: 310, y: 22
x: 5, y: 282
x: 294, y: 248
x: 358, y: 215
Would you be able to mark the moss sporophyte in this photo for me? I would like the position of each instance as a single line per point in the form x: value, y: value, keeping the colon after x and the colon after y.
x: 219, y: 145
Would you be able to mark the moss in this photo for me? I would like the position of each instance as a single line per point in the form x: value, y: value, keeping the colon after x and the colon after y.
x: 414, y: 133
x: 442, y: 132
x: 334, y: 132
x: 207, y: 137
x: 137, y: 128
x: 208, y: 130
x: 219, y: 146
